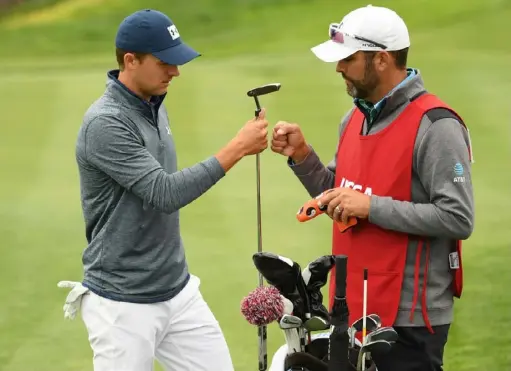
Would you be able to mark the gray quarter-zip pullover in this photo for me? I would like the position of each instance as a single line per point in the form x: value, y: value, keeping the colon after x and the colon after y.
x: 131, y: 193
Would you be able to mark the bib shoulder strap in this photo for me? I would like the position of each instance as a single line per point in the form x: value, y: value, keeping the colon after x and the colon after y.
x: 435, y: 109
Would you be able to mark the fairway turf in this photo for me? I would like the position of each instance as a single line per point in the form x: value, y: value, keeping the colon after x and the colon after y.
x: 41, y: 225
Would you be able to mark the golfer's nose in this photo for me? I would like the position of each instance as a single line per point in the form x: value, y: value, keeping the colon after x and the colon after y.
x: 173, y: 70
x: 341, y: 66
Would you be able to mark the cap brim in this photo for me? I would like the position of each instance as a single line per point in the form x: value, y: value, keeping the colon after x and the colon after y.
x: 330, y: 51
x: 177, y: 55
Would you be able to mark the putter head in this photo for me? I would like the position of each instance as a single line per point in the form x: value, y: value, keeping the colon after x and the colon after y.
x: 264, y: 89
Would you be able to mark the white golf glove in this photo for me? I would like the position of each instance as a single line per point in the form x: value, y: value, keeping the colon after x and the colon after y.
x: 73, y: 299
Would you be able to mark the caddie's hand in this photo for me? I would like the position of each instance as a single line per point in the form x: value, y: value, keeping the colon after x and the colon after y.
x: 253, y: 136
x: 288, y: 140
x: 345, y: 202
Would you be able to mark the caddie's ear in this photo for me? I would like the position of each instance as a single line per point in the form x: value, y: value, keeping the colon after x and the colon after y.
x: 382, y: 61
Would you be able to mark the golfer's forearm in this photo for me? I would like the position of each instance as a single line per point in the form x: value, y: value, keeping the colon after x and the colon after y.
x: 229, y: 155
x: 170, y: 192
x: 419, y: 219
x: 314, y: 176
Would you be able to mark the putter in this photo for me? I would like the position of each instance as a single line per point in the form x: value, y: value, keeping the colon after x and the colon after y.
x: 291, y: 326
x: 261, y: 330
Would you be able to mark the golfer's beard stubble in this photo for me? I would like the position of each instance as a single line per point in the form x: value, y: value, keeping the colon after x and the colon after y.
x: 361, y: 89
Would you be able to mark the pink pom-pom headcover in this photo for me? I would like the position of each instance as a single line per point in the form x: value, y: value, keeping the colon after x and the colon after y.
x: 262, y: 306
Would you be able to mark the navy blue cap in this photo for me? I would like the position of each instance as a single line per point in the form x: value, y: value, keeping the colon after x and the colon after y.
x: 149, y: 31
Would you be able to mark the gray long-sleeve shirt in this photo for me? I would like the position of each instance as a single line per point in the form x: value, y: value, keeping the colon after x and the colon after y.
x: 442, y: 204
x: 131, y: 193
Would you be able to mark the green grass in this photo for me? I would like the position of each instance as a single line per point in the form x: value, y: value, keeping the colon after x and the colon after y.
x: 43, y: 100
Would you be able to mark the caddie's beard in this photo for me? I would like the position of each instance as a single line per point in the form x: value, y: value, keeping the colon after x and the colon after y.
x: 363, y: 88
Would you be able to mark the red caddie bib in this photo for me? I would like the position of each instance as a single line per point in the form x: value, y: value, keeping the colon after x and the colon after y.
x: 381, y: 164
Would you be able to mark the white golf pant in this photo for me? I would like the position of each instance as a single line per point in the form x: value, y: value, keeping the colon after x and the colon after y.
x: 182, y: 334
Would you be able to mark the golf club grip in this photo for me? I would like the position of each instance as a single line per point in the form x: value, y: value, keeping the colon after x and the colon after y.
x: 341, y: 262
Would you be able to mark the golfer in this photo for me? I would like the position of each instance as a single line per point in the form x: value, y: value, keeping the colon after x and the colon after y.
x: 141, y: 303
x: 403, y: 168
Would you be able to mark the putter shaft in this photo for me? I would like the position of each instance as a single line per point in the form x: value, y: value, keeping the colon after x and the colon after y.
x: 263, y: 358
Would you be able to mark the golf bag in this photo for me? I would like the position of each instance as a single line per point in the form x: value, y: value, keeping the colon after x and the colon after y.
x: 326, y: 341
x: 315, y: 357
x: 310, y: 346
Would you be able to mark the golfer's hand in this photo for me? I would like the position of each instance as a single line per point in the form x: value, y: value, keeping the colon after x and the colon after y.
x: 345, y: 202
x: 253, y: 136
x: 74, y: 297
x: 288, y: 140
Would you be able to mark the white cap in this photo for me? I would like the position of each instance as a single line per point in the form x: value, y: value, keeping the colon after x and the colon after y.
x: 378, y: 27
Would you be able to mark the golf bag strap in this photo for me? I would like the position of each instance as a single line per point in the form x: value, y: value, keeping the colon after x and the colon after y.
x: 435, y: 109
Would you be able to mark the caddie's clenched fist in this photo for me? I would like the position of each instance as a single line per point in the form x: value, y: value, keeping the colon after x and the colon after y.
x: 288, y: 140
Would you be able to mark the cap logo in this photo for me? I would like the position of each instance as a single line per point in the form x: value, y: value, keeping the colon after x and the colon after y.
x: 174, y: 33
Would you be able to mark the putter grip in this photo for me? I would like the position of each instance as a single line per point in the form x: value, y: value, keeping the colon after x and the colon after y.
x: 340, y: 275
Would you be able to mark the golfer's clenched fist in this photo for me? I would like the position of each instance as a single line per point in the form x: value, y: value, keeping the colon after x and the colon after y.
x: 253, y: 136
x: 288, y: 140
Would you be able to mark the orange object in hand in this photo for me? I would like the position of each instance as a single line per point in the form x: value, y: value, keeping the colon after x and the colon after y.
x: 311, y: 209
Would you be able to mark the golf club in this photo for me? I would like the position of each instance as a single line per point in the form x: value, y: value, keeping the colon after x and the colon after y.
x: 286, y: 276
x: 261, y: 330
x: 373, y: 322
x: 364, y: 315
x: 384, y: 333
x: 315, y: 276
x: 316, y: 324
x: 291, y: 325
x: 375, y: 347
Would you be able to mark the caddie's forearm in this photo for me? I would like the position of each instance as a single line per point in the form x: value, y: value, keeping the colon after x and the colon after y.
x: 420, y: 219
x: 313, y: 175
x: 170, y: 192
